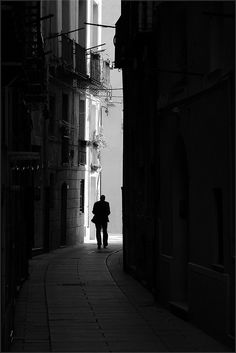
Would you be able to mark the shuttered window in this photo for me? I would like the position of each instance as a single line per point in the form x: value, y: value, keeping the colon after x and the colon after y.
x: 82, y: 195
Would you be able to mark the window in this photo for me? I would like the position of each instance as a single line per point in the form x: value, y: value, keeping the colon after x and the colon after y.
x: 145, y: 16
x: 65, y: 107
x: 82, y: 142
x: 3, y: 120
x: 82, y: 152
x: 82, y: 16
x: 94, y: 29
x: 65, y: 149
x: 81, y: 119
x: 65, y: 132
x: 82, y: 195
x: 51, y: 190
x: 52, y: 117
x: 65, y: 15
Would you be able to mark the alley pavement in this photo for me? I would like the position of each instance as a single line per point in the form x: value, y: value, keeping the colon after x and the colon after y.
x: 78, y: 299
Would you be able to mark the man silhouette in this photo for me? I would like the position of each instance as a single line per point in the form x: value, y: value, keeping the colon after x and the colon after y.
x: 101, y: 210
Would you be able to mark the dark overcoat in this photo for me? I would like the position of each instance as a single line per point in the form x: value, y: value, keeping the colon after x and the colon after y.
x: 101, y: 211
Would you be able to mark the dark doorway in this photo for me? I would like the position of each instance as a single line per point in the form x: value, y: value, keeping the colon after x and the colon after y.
x: 180, y: 224
x: 47, y: 219
x: 63, y: 213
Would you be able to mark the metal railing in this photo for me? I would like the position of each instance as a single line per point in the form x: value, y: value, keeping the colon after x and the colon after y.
x: 73, y: 55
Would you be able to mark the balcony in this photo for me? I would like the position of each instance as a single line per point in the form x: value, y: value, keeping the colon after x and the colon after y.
x: 70, y: 54
x: 95, y: 67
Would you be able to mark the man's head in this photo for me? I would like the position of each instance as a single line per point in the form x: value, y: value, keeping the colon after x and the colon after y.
x: 102, y: 198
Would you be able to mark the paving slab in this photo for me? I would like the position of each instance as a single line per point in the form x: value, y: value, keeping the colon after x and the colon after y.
x: 80, y: 347
x: 78, y: 299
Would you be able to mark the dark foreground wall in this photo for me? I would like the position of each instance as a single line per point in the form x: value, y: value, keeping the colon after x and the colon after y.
x: 178, y: 193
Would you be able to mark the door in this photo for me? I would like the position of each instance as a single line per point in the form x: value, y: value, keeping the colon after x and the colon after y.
x: 93, y: 199
x: 180, y: 223
x: 63, y: 213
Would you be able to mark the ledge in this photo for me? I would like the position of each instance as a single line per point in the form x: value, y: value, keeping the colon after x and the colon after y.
x: 180, y: 309
x: 218, y: 268
x: 37, y: 251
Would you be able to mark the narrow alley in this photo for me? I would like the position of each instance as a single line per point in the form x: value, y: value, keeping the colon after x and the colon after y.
x: 78, y: 299
x: 118, y: 116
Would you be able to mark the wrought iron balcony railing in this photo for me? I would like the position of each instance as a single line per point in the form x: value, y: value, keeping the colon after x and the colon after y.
x: 69, y: 53
x: 73, y: 56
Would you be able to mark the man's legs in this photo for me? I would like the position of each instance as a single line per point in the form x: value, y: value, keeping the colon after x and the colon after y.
x: 105, y: 234
x: 98, y: 235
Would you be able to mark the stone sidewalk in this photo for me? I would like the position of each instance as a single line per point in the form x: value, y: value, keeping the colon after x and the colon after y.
x: 79, y: 300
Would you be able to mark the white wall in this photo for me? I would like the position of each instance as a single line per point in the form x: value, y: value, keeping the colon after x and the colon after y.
x: 93, y: 107
x: 112, y: 155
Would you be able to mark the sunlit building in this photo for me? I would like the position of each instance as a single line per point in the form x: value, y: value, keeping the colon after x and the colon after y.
x: 53, y: 76
x: 76, y: 75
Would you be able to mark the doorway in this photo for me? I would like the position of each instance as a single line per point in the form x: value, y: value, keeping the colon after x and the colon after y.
x: 63, y: 213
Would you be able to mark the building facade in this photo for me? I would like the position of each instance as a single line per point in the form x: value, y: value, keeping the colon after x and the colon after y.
x: 178, y: 183
x: 76, y: 75
x: 53, y: 76
x: 112, y: 156
x: 21, y: 173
